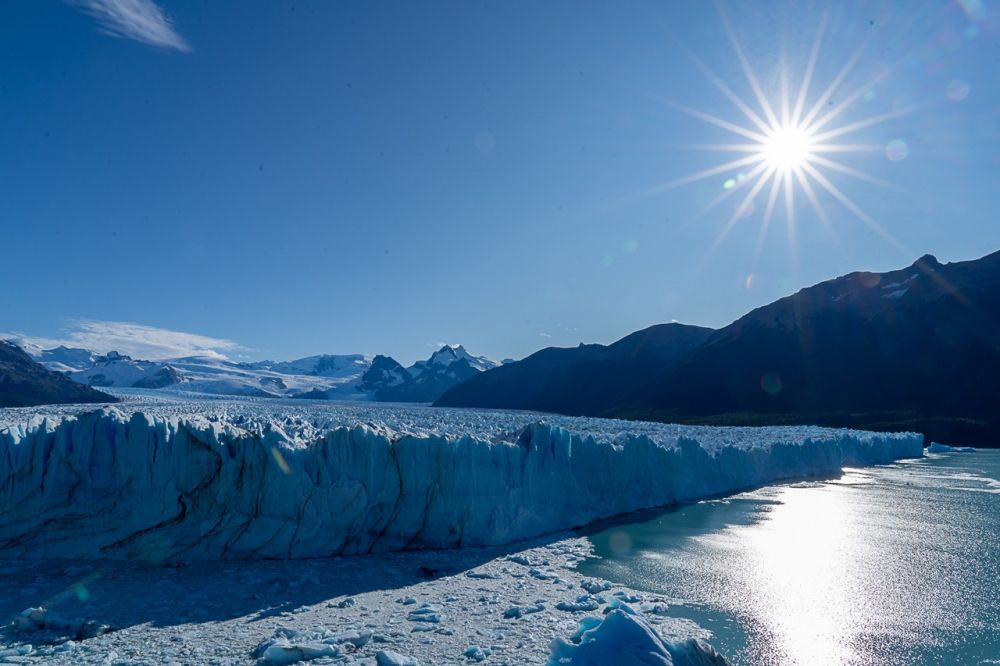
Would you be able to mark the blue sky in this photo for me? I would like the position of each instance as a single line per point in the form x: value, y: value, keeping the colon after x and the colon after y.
x: 281, y: 179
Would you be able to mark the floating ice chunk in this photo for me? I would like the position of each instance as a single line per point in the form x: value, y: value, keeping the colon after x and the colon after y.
x: 476, y: 653
x: 520, y: 559
x: 291, y: 645
x: 425, y: 613
x: 390, y: 658
x: 584, y: 602
x: 481, y: 575
x: 281, y: 651
x: 617, y: 604
x: 656, y: 608
x: 627, y: 640
x: 594, y: 586
x: 935, y: 447
x: 19, y: 651
x: 541, y: 575
x: 55, y: 627
x: 515, y: 612
x: 694, y: 652
x: 357, y: 638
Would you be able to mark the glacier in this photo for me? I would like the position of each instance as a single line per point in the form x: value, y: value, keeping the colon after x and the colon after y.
x: 166, y: 479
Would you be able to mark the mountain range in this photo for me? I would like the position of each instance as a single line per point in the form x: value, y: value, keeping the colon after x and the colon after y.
x: 584, y: 380
x: 912, y: 349
x: 324, y: 377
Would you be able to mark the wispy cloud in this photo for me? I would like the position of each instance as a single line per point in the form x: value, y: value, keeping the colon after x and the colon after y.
x: 141, y: 20
x: 136, y: 340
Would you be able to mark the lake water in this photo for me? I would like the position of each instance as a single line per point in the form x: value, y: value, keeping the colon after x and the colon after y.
x: 897, y: 564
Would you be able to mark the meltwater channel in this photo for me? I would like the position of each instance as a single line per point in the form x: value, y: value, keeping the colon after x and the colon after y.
x: 898, y: 564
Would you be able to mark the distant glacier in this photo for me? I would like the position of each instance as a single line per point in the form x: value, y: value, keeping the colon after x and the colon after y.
x: 169, y: 479
x: 323, y: 377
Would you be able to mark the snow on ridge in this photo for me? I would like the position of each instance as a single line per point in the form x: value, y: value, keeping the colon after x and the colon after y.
x: 174, y: 479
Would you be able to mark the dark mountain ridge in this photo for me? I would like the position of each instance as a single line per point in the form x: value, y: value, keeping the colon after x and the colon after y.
x: 578, y: 380
x: 26, y: 383
x: 917, y: 348
x: 912, y: 349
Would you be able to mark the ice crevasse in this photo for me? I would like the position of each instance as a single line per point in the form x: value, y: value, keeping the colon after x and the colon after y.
x: 172, y: 484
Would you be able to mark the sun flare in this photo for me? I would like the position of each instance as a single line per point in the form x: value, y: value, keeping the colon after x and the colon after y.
x: 787, y: 148
x: 788, y: 139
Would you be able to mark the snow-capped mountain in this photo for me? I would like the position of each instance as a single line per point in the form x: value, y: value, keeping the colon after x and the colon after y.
x: 323, y: 377
x: 384, y: 373
x: 450, y: 354
x: 324, y: 365
x: 427, y: 380
x: 385, y: 379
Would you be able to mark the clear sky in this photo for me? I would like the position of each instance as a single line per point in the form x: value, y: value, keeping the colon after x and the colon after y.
x: 291, y: 178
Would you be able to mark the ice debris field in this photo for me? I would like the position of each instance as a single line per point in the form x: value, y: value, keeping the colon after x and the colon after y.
x: 166, y: 530
x: 496, y: 606
x: 163, y: 480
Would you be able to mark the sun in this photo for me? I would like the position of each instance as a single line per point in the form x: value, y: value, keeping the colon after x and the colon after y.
x: 787, y: 148
x: 786, y: 142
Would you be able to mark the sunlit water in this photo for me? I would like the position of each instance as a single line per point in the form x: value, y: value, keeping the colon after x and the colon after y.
x: 889, y: 565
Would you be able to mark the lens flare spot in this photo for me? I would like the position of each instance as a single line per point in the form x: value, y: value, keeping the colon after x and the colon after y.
x: 771, y: 383
x: 607, y: 260
x: 869, y: 280
x: 631, y: 245
x: 620, y: 543
x: 957, y: 90
x: 729, y: 184
x: 974, y: 9
x: 81, y: 592
x: 897, y: 150
x: 748, y: 283
x: 745, y: 209
x: 280, y: 459
x: 485, y: 143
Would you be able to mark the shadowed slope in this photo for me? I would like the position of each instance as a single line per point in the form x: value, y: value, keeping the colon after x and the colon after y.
x: 917, y: 348
x: 584, y: 380
x: 25, y: 383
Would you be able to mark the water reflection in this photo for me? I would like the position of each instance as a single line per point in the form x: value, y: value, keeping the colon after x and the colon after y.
x: 796, y: 560
x: 891, y: 565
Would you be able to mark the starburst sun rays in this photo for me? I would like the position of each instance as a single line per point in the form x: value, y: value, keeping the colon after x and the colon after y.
x: 785, y: 148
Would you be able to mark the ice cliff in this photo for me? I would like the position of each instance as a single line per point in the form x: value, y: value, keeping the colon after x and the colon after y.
x: 207, y: 480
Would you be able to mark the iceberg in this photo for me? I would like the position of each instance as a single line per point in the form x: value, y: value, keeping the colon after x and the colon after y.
x: 935, y: 447
x: 626, y: 639
x: 167, y: 480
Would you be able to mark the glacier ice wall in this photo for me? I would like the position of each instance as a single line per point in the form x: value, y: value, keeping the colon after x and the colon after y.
x: 169, y: 486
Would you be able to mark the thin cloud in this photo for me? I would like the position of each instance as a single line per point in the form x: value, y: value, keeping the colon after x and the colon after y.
x: 135, y: 340
x: 141, y: 20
